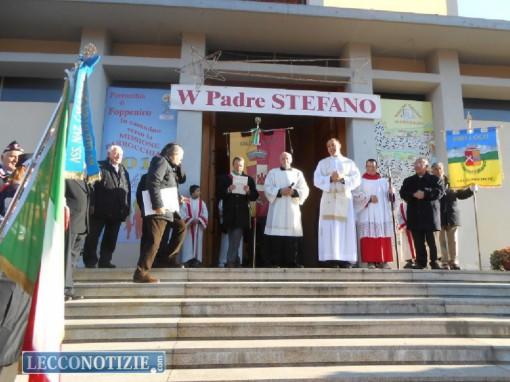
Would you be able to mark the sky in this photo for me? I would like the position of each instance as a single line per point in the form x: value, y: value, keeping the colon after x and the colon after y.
x: 485, y: 9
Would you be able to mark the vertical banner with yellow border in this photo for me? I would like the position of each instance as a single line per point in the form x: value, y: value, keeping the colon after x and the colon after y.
x: 404, y: 133
x: 474, y: 158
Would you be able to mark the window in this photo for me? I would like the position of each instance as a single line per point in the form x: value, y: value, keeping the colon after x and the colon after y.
x: 487, y: 110
x: 17, y: 89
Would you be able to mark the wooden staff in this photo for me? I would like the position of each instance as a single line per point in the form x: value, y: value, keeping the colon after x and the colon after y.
x: 392, y: 202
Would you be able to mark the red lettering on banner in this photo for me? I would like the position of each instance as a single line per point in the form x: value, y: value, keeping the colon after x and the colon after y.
x: 307, y: 100
x: 278, y: 102
x: 364, y: 108
x: 260, y: 102
x: 351, y: 104
x: 292, y: 98
x: 239, y: 100
x: 321, y: 103
x: 190, y: 94
x: 211, y: 96
x: 335, y: 105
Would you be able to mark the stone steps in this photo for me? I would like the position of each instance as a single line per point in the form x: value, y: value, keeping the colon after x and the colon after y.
x: 288, y: 306
x: 289, y: 288
x: 299, y: 324
x: 297, y: 274
x: 317, y: 351
x: 343, y: 373
x: 174, y: 328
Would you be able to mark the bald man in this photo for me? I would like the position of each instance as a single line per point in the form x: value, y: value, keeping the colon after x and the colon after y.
x: 286, y: 190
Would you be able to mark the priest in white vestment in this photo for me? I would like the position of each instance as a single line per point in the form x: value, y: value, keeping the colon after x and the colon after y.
x: 286, y: 190
x: 195, y: 215
x: 374, y: 219
x: 337, y: 176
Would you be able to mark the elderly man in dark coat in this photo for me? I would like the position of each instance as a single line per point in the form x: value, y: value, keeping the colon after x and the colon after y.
x: 110, y: 206
x: 422, y: 192
x: 236, y: 207
x: 450, y: 218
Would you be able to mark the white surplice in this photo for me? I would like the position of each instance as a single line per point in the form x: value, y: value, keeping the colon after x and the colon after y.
x: 195, y: 215
x: 337, y: 223
x: 284, y: 214
x: 374, y: 219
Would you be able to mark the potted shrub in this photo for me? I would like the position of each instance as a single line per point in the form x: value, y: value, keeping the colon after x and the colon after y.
x: 500, y: 259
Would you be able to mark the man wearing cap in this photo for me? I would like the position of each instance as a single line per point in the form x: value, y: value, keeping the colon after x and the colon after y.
x: 9, y: 160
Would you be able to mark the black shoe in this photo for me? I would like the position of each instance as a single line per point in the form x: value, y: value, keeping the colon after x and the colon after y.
x: 454, y: 267
x: 435, y: 265
x: 108, y: 265
x: 418, y: 266
x: 90, y: 265
x: 345, y: 264
x: 409, y: 264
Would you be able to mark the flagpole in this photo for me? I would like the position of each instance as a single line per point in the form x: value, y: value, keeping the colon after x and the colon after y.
x: 392, y: 203
x: 477, y: 231
x: 41, y: 146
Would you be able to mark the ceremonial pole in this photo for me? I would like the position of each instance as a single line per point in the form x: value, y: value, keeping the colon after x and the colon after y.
x: 477, y: 231
x: 475, y: 204
x: 392, y: 202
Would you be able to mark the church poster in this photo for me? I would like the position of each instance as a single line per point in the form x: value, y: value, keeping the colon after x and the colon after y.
x: 141, y: 122
x: 474, y: 158
x: 404, y: 133
x: 259, y: 159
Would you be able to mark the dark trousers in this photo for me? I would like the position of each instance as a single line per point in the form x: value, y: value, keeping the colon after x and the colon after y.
x: 108, y: 244
x: 419, y: 238
x: 282, y: 251
x: 73, y: 246
x: 235, y: 236
x: 153, y: 231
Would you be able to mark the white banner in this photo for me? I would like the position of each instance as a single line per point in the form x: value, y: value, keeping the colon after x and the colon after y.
x: 275, y: 101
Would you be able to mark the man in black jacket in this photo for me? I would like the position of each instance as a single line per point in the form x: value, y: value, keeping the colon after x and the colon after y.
x: 110, y: 206
x: 163, y: 178
x: 236, y: 207
x: 422, y: 192
x: 77, y: 193
x: 450, y: 219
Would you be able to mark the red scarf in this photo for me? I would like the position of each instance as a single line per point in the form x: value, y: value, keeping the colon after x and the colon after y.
x: 371, y: 177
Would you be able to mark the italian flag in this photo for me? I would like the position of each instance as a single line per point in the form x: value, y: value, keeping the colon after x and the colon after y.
x: 32, y: 240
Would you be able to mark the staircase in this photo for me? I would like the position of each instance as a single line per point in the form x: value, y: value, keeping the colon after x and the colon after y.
x: 299, y: 324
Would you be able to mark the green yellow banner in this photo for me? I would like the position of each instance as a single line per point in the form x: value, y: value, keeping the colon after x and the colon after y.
x: 474, y: 158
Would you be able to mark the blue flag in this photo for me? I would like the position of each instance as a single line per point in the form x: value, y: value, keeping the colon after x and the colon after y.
x: 81, y: 144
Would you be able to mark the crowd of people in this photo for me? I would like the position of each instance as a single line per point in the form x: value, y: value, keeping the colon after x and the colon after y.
x: 356, y: 211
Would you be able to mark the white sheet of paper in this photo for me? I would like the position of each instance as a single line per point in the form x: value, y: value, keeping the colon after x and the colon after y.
x: 239, y: 182
x: 169, y: 196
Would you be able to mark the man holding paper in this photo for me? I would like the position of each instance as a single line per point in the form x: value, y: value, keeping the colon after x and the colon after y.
x: 337, y: 176
x: 236, y: 190
x: 161, y: 209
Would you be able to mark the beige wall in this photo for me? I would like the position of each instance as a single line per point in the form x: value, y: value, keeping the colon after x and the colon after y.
x: 493, y: 212
x: 24, y: 122
x: 439, y: 7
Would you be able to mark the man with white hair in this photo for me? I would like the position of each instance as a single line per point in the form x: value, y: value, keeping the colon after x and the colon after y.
x: 422, y: 192
x: 110, y: 205
x: 286, y: 190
